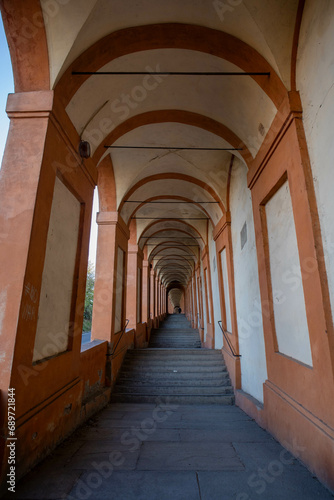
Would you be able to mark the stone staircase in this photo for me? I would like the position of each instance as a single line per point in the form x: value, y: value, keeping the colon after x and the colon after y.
x: 176, y: 367
x: 175, y: 333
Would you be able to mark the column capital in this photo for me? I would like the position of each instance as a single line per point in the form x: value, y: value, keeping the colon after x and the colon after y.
x: 112, y: 219
x: 106, y: 218
x: 30, y: 104
x: 133, y: 248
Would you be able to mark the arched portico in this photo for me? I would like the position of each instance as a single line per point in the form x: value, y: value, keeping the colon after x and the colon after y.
x: 210, y: 150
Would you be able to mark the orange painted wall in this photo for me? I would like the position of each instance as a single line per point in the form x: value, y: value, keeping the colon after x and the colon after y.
x: 50, y: 395
x: 298, y: 401
x: 222, y: 236
x: 209, y: 341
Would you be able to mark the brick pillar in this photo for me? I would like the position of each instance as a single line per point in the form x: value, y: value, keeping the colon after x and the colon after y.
x: 152, y: 294
x: 145, y: 291
x: 112, y: 233
x: 44, y: 238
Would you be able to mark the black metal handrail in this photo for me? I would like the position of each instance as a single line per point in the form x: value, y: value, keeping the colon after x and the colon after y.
x: 228, y: 341
x: 120, y: 338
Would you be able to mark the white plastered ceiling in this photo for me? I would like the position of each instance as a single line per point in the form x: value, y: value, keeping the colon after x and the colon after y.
x: 211, y: 167
x: 170, y: 208
x: 237, y: 104
x: 180, y: 231
x: 74, y: 25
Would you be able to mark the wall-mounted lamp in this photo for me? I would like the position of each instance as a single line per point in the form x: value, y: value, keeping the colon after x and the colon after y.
x: 84, y: 149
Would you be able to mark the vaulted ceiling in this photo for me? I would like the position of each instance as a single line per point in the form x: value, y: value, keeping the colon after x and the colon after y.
x: 198, y: 121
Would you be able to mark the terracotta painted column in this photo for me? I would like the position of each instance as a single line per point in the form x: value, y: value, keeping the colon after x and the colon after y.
x: 46, y: 193
x: 165, y: 300
x: 132, y: 285
x: 186, y: 312
x: 200, y: 301
x: 156, y: 309
x: 134, y: 294
x: 19, y: 181
x: 152, y: 294
x: 145, y: 292
x: 112, y: 234
x: 161, y: 300
x: 190, y: 302
x: 194, y: 299
x: 223, y: 238
x: 209, y: 341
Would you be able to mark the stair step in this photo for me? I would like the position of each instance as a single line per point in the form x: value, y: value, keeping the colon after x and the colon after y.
x: 163, y: 382
x: 183, y: 377
x: 183, y: 391
x: 148, y: 351
x: 169, y: 344
x: 180, y: 369
x: 174, y: 366
x: 173, y: 362
x: 179, y: 399
x: 174, y: 359
x: 175, y: 356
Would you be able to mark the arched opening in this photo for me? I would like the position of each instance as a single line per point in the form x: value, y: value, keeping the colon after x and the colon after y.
x: 176, y: 300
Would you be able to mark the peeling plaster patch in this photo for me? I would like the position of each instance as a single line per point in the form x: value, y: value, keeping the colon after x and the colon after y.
x: 51, y: 427
x: 3, y: 301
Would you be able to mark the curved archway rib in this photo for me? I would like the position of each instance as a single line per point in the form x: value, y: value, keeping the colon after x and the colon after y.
x: 25, y: 32
x: 172, y: 176
x: 174, y: 116
x: 164, y: 197
x: 171, y: 35
x: 181, y: 222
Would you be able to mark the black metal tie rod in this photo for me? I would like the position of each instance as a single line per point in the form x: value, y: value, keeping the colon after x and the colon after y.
x: 166, y: 148
x: 170, y: 218
x: 168, y: 202
x: 173, y: 73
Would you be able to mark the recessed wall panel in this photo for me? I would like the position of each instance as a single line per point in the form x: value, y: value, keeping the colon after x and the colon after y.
x: 54, y: 313
x: 226, y: 290
x: 119, y: 290
x: 288, y: 295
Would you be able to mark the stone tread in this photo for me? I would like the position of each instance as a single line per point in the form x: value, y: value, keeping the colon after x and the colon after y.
x: 174, y: 366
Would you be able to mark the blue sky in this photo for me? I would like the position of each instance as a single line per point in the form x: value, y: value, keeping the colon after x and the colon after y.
x: 6, y: 86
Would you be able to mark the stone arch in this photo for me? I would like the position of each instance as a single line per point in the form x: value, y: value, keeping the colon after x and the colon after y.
x: 26, y: 36
x: 106, y: 186
x: 171, y: 35
x: 175, y: 176
x: 175, y: 116
x: 155, y: 198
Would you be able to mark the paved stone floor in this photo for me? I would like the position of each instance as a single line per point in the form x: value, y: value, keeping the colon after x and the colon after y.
x: 168, y: 452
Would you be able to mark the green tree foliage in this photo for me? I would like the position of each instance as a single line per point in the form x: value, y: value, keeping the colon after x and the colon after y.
x: 88, y: 311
